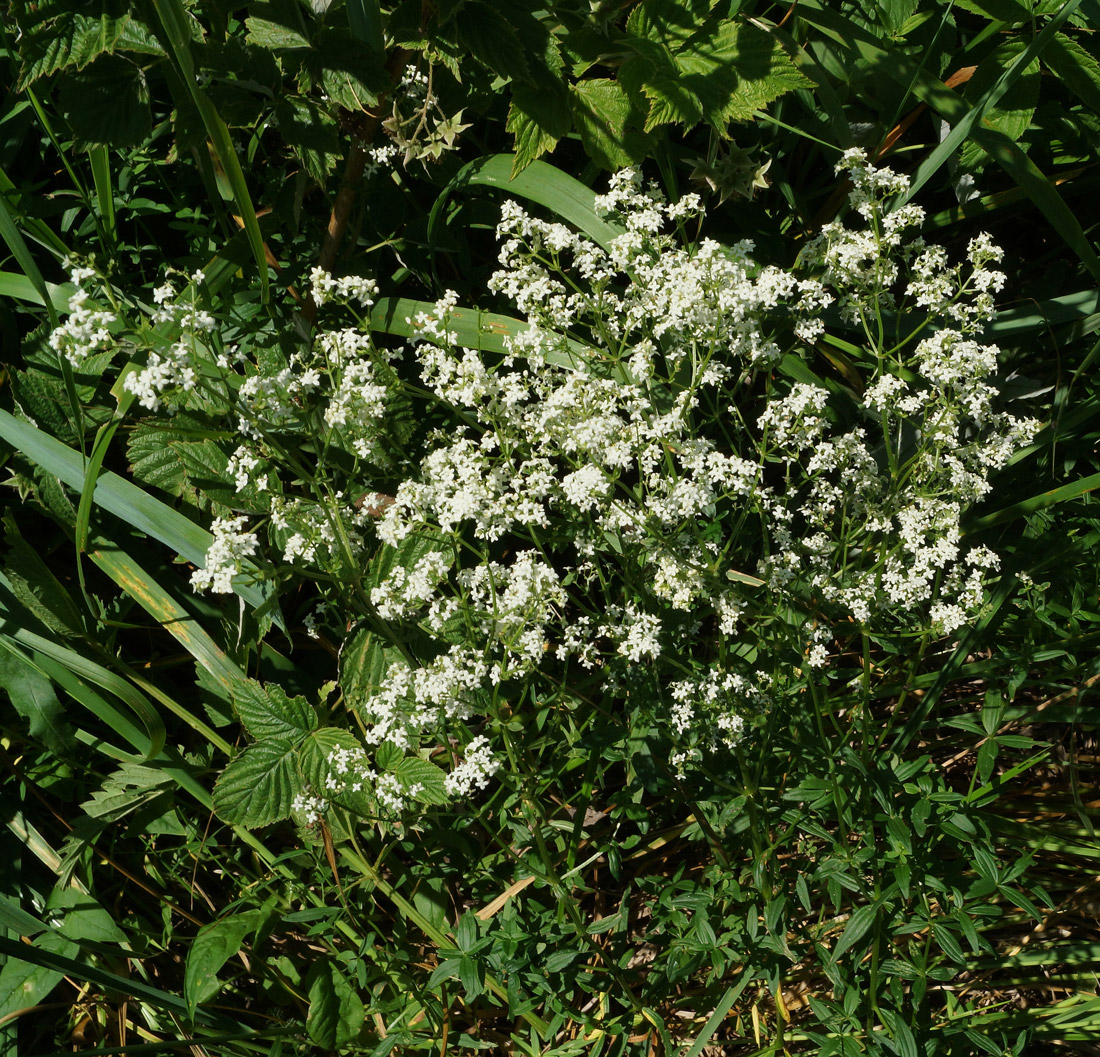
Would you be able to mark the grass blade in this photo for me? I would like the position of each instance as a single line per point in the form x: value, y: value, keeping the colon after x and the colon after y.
x: 128, y: 502
x: 175, y: 23
x: 962, y: 128
x: 104, y: 191
x: 365, y: 23
x: 1037, y: 502
x: 539, y: 182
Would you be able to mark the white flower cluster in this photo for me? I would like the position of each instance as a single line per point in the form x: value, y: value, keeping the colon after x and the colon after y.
x: 225, y: 556
x: 86, y: 330
x: 323, y: 288
x: 474, y: 771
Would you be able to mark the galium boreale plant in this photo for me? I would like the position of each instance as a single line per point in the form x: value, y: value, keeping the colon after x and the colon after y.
x: 650, y: 502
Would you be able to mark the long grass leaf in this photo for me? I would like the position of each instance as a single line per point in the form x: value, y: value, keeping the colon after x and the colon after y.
x: 84, y: 668
x: 725, y: 1004
x: 365, y: 23
x: 125, y: 500
x: 539, y: 182
x: 19, y: 287
x: 11, y: 235
x: 1042, y: 193
x: 970, y: 121
x: 125, y: 985
x: 175, y: 23
x: 1064, y: 492
x: 104, y: 191
x: 486, y: 331
x: 160, y: 605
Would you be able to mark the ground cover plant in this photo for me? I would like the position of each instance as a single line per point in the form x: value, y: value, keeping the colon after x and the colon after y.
x: 549, y: 529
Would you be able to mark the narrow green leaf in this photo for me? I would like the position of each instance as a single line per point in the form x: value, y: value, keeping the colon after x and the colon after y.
x: 859, y: 924
x: 133, y: 505
x: 563, y: 195
x: 971, y: 121
x: 1038, y: 502
x: 175, y: 22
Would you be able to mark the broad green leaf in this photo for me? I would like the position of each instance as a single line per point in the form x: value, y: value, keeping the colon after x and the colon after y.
x: 82, y: 918
x: 310, y: 133
x: 538, y: 119
x: 70, y: 41
x: 267, y: 34
x: 609, y: 123
x: 1014, y: 110
x: 485, y: 32
x: 1076, y: 68
x: 388, y: 756
x: 107, y: 102
x: 412, y: 771
x: 764, y: 70
x: 32, y: 696
x: 257, y: 788
x: 314, y: 751
x: 267, y: 712
x: 179, y: 463
x: 336, y: 1012
x: 364, y: 661
x: 214, y: 945
x: 25, y: 983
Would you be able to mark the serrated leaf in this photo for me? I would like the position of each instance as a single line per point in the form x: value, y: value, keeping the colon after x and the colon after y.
x: 124, y: 790
x: 267, y: 34
x: 1076, y: 68
x: 364, y: 661
x: 257, y: 788
x: 107, y: 102
x: 214, y: 945
x: 181, y: 464
x: 609, y: 123
x: 413, y: 772
x: 388, y: 756
x: 351, y: 75
x: 1015, y: 108
x: 267, y: 712
x: 538, y: 118
x: 485, y: 32
x: 336, y: 1012
x: 314, y: 752
x: 70, y: 41
x: 310, y: 133
x: 764, y: 70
